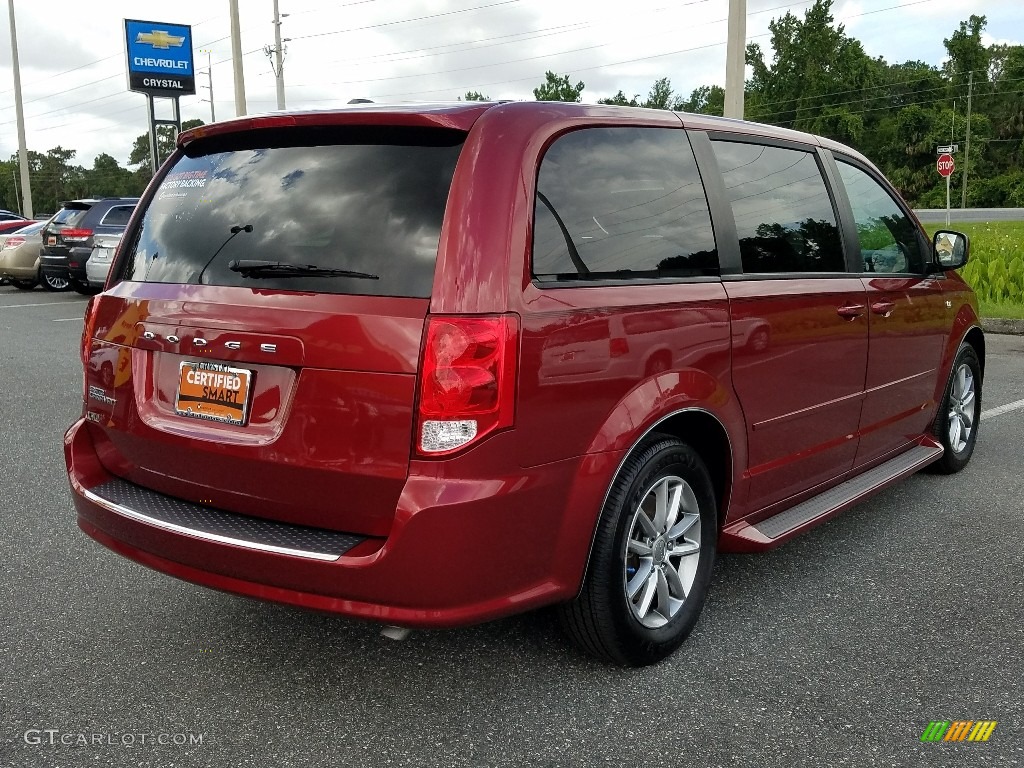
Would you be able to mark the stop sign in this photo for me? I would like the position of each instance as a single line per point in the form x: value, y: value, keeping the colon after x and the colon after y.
x: 945, y: 165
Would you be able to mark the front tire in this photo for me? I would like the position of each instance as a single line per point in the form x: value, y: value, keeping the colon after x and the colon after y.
x: 956, y: 423
x: 652, y: 557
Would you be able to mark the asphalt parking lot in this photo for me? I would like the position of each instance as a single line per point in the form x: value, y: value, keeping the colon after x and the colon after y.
x: 837, y: 649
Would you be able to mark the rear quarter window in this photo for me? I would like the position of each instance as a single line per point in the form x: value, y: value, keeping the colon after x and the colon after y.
x: 621, y: 203
x: 364, y: 200
x: 117, y: 216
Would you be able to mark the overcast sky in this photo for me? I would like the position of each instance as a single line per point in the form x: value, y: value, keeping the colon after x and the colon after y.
x: 75, y: 87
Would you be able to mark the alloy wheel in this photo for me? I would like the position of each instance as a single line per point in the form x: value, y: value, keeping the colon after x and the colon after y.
x: 662, y: 551
x: 962, y: 408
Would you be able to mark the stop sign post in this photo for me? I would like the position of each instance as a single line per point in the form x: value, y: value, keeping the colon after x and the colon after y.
x: 945, y: 166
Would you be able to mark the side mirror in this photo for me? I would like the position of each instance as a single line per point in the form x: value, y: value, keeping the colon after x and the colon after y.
x: 950, y: 250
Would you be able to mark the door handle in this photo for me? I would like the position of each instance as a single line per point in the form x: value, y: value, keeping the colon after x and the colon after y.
x: 851, y: 311
x: 883, y: 308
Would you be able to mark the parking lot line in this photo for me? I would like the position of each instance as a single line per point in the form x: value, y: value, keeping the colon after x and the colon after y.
x: 68, y: 319
x: 1014, y: 406
x: 38, y: 304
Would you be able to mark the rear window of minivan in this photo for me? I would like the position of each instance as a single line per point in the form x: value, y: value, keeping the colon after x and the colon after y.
x: 366, y: 202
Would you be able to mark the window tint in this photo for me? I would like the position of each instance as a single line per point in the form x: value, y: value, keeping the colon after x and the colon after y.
x: 117, y: 216
x: 621, y: 203
x: 70, y: 217
x: 888, y: 238
x: 368, y: 200
x: 783, y: 212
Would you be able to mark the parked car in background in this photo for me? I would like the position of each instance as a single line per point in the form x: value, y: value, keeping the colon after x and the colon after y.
x: 68, y: 237
x: 432, y: 365
x: 10, y: 221
x: 19, y: 256
x: 98, y: 264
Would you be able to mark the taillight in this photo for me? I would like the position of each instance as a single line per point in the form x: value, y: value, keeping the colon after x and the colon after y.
x: 467, y: 385
x: 618, y: 346
x: 75, y: 235
x: 88, y: 329
x: 13, y: 242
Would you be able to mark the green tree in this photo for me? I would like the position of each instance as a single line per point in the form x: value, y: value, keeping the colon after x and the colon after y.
x: 166, y: 138
x: 967, y: 56
x: 813, y: 79
x: 475, y: 96
x: 705, y: 100
x: 620, y: 100
x: 107, y: 178
x: 661, y: 96
x: 558, y: 88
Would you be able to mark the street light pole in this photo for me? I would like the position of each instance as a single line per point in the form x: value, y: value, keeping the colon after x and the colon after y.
x: 236, y: 59
x: 26, y: 183
x: 735, y: 59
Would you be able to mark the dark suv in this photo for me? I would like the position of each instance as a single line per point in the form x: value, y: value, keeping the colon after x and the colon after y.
x: 433, y: 365
x: 68, y: 237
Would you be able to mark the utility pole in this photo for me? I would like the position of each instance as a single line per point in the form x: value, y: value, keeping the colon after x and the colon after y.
x: 26, y: 183
x: 735, y: 59
x: 278, y: 55
x: 967, y: 150
x: 209, y: 76
x: 236, y: 59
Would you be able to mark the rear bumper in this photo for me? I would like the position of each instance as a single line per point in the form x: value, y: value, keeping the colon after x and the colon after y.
x: 54, y: 266
x: 19, y: 273
x: 461, y: 550
x: 96, y: 272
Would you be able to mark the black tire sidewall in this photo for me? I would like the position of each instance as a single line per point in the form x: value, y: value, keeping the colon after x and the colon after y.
x: 952, y: 461
x: 663, y: 456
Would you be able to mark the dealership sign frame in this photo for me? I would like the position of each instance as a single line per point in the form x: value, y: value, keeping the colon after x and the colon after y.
x: 160, y: 58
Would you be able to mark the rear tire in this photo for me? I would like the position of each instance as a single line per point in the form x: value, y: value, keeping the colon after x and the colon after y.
x: 83, y: 288
x: 24, y: 285
x: 652, y: 556
x: 956, y: 423
x: 50, y: 283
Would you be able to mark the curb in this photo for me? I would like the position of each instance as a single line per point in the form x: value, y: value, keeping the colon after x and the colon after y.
x: 1002, y: 325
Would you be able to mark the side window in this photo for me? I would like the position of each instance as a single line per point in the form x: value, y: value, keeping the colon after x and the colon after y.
x: 620, y: 203
x: 888, y: 238
x: 784, y: 216
x: 118, y: 216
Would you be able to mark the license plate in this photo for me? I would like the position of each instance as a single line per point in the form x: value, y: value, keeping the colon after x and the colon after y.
x: 51, y: 240
x: 101, y: 254
x: 213, y: 391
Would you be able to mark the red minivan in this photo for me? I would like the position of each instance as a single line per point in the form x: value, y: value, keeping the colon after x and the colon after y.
x: 433, y: 365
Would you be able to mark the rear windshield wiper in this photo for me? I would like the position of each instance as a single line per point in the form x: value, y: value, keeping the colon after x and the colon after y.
x: 261, y: 268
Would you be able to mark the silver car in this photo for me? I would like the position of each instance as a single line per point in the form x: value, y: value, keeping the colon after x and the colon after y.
x: 98, y: 265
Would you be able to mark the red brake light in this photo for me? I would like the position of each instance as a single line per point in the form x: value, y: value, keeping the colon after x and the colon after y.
x: 76, y: 235
x: 13, y: 241
x: 88, y: 329
x: 467, y: 386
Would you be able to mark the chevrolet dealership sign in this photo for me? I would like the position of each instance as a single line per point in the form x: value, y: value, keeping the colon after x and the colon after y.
x: 159, y: 58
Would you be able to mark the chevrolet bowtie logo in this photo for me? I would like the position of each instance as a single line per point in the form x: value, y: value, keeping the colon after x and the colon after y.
x: 160, y: 38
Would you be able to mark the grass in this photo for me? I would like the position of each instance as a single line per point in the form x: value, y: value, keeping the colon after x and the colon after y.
x: 996, y: 266
x: 1011, y: 311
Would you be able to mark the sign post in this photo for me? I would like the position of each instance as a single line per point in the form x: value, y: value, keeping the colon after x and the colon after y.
x: 945, y: 166
x: 160, y: 65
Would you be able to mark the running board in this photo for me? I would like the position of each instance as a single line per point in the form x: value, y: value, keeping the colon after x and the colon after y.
x: 746, y: 537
